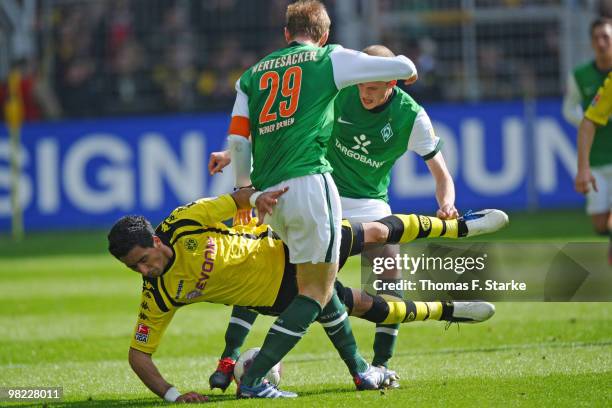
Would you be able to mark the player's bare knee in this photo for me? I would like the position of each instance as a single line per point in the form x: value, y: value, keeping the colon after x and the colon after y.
x: 314, y: 293
x: 317, y: 291
x: 362, y: 302
x: 316, y: 281
x: 375, y: 233
x: 328, y: 293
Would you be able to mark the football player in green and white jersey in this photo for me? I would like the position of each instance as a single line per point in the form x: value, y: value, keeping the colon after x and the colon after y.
x: 282, y: 112
x: 374, y: 124
x: 581, y: 92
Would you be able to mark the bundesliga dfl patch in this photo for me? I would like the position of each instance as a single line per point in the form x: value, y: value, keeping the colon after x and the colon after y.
x: 142, y: 333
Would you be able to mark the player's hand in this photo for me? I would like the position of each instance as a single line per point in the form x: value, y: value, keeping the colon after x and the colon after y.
x: 447, y: 212
x: 266, y: 202
x: 584, y: 180
x: 217, y: 161
x: 192, y: 397
x: 243, y: 216
x: 411, y: 80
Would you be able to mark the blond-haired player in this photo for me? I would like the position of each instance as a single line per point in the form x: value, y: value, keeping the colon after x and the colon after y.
x: 281, y: 119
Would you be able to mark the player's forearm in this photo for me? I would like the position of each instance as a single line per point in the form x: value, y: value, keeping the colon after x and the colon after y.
x: 445, y: 187
x: 145, y: 369
x: 240, y: 155
x: 242, y: 197
x: 586, y: 134
x: 351, y: 67
x: 445, y: 192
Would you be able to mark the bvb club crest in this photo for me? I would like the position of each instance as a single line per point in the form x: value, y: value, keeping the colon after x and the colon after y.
x: 191, y: 244
x: 386, y: 132
x: 425, y: 223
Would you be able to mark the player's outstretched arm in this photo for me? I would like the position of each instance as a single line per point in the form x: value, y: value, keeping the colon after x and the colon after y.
x: 584, y: 178
x: 145, y: 368
x: 264, y: 201
x: 353, y: 67
x: 445, y: 187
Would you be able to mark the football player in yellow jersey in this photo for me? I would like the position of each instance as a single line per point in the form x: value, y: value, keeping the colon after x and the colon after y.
x: 193, y: 257
x: 597, y: 114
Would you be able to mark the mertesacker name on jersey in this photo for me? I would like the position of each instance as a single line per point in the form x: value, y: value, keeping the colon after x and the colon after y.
x: 286, y: 60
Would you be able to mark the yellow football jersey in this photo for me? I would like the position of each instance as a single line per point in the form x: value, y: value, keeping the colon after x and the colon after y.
x: 242, y: 266
x: 600, y: 109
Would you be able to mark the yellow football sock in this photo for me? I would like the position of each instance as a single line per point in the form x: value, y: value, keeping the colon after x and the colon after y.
x: 402, y: 311
x: 408, y: 227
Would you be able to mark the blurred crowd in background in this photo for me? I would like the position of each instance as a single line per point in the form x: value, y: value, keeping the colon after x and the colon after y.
x: 129, y: 57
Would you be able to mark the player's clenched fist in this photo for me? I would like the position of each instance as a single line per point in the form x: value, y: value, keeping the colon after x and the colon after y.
x: 447, y: 212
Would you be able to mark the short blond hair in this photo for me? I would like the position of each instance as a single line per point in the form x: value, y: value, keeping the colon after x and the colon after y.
x: 307, y: 18
x: 378, y: 50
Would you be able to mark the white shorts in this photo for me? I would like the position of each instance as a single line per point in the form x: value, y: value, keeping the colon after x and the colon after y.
x: 308, y: 218
x: 364, y: 209
x: 600, y: 202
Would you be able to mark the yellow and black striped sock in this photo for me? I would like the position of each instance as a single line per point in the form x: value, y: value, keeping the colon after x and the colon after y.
x: 390, y: 310
x: 408, y: 227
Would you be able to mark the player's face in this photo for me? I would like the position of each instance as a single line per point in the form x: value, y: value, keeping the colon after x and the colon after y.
x: 601, y: 40
x: 149, y: 262
x: 373, y: 94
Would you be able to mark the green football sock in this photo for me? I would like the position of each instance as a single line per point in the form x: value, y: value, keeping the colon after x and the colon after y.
x: 284, y: 334
x: 334, y: 320
x: 385, y: 336
x: 237, y: 330
x: 384, y: 343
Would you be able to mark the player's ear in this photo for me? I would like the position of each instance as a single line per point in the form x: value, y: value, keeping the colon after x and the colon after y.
x: 156, y: 241
x: 287, y: 35
x: 323, y: 39
x: 392, y: 83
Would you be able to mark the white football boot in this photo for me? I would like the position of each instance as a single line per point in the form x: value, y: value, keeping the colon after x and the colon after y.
x: 474, y: 223
x: 470, y: 312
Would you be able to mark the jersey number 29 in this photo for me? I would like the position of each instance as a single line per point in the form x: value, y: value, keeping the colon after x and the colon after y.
x: 290, y: 88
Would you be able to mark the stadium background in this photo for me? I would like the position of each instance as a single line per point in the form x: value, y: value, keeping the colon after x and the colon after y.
x: 125, y: 99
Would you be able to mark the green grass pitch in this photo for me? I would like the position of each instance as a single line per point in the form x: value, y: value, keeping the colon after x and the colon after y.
x: 67, y: 311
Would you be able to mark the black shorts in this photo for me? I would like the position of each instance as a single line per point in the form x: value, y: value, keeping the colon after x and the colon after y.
x: 288, y: 288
